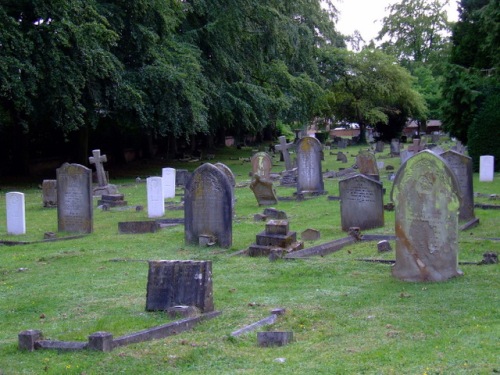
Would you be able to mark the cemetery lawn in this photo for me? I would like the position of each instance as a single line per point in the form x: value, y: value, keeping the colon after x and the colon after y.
x: 347, y: 316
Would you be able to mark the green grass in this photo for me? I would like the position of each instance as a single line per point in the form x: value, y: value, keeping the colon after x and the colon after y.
x: 347, y: 317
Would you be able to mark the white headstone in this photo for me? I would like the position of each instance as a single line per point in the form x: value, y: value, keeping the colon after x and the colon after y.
x: 486, y: 168
x: 16, y: 220
x: 168, y: 176
x: 156, y: 204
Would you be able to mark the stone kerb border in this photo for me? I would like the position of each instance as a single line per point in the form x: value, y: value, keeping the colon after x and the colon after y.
x: 103, y: 341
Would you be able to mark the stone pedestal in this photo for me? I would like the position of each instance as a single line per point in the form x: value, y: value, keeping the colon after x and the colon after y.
x: 276, y: 237
x: 112, y: 200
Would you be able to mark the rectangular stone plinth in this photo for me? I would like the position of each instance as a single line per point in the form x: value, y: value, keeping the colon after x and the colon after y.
x: 278, y: 240
x: 269, y: 338
x: 277, y: 227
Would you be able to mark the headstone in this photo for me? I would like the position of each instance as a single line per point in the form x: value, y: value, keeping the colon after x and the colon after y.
x: 182, y: 177
x: 342, y: 143
x: 103, y: 185
x: 459, y: 147
x: 367, y: 164
x: 283, y: 147
x: 261, y: 165
x: 435, y: 138
x: 361, y: 203
x: 179, y: 282
x: 384, y: 246
x: 404, y: 155
x: 274, y: 338
x: 416, y: 147
x: 276, y: 237
x: 168, y: 180
x: 310, y: 176
x: 49, y: 193
x: 395, y: 147
x: 208, y: 206
x: 341, y: 157
x: 461, y: 165
x: 156, y: 202
x: 16, y: 216
x: 379, y: 146
x: 310, y: 235
x: 427, y: 199
x: 273, y: 213
x: 486, y: 168
x: 264, y: 191
x: 74, y: 199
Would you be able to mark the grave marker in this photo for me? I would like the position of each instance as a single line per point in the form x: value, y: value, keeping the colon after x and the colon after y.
x: 168, y: 180
x: 486, y: 168
x: 208, y: 206
x: 49, y: 193
x: 416, y: 147
x: 264, y: 191
x: 427, y: 199
x: 361, y: 203
x: 367, y: 164
x: 74, y: 195
x: 461, y: 165
x: 103, y: 185
x: 16, y: 216
x: 310, y: 176
x: 261, y: 165
x: 156, y: 204
x: 179, y: 282
x: 283, y: 147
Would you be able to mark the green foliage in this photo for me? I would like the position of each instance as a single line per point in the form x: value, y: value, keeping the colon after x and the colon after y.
x: 484, y: 132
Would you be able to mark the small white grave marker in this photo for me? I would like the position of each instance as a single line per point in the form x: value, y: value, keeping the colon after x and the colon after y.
x: 156, y: 204
x: 486, y: 168
x: 168, y: 176
x: 16, y: 220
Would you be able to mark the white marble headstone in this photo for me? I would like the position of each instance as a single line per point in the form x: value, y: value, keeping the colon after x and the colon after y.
x: 16, y: 220
x: 168, y: 176
x: 156, y: 204
x: 486, y: 168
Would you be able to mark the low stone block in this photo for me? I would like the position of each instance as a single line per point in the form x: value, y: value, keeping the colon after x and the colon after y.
x: 135, y: 227
x: 101, y: 341
x: 274, y: 338
x: 310, y: 235
x: 277, y: 227
x: 28, y: 338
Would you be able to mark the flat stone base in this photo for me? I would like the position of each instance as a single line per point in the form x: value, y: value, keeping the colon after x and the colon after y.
x: 269, y: 338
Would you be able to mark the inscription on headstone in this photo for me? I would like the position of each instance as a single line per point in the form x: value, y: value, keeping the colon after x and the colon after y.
x: 261, y: 165
x: 427, y: 199
x: 361, y: 203
x: 208, y: 206
x: 15, y: 209
x: 74, y: 199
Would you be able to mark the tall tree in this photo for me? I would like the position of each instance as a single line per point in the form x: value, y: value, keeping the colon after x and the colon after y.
x: 369, y: 87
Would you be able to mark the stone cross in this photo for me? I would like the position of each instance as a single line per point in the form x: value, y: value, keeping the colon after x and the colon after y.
x: 416, y: 146
x: 283, y: 147
x: 98, y: 159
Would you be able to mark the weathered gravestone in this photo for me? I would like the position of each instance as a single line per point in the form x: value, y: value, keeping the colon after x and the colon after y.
x: 261, y: 165
x: 264, y: 191
x: 367, y: 164
x: 404, y: 155
x: 427, y: 199
x: 310, y: 176
x: 208, y: 206
x: 182, y: 177
x: 379, y: 146
x: 156, y: 204
x: 395, y: 147
x: 342, y: 143
x: 49, y: 193
x: 104, y: 187
x: 417, y: 146
x: 461, y: 165
x: 283, y: 147
x: 15, y: 209
x: 74, y: 199
x: 361, y: 203
x: 341, y: 157
x: 168, y: 180
x: 486, y: 168
x: 179, y: 282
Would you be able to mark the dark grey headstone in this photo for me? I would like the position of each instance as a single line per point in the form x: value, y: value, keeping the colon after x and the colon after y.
x: 74, y: 196
x: 179, y: 282
x: 310, y: 176
x: 208, y: 206
x: 182, y: 177
x: 361, y: 203
x: 427, y: 198
x: 49, y: 192
x: 461, y: 165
